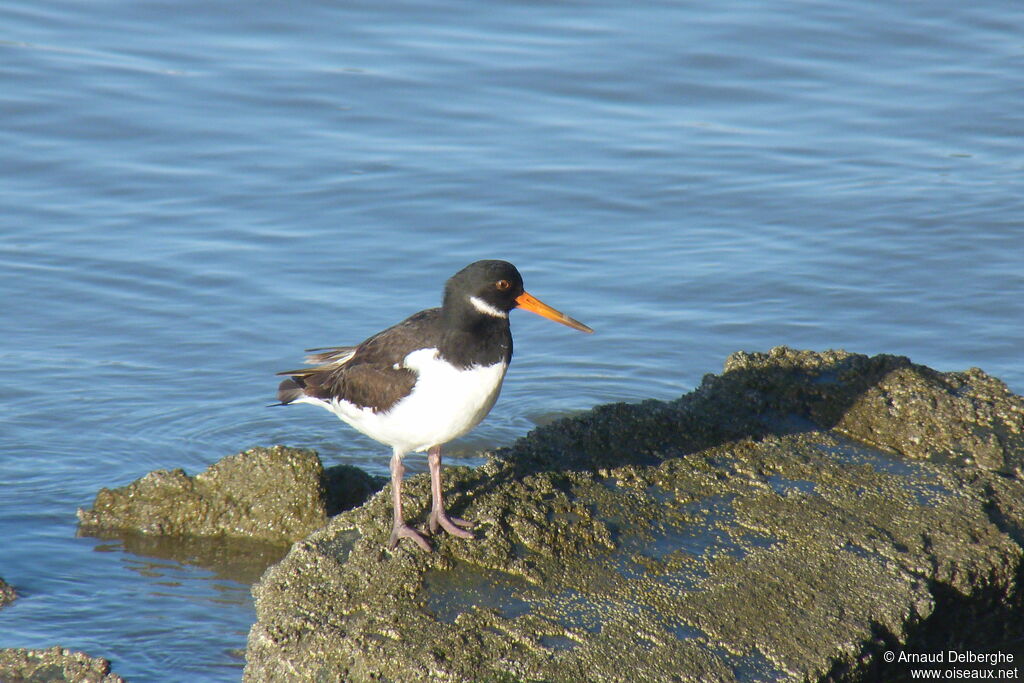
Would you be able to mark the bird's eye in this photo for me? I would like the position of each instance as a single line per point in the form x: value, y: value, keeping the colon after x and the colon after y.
x: 502, y: 285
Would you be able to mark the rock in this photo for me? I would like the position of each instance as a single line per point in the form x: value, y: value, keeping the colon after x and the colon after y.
x: 7, y: 593
x: 891, y: 403
x: 349, y: 487
x: 275, y: 495
x: 54, y: 664
x: 770, y: 525
x: 886, y: 401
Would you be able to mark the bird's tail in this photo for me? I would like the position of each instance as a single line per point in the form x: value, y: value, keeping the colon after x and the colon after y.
x: 290, y: 390
x: 326, y: 358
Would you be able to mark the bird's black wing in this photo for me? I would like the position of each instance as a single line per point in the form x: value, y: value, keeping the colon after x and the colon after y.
x: 371, y: 374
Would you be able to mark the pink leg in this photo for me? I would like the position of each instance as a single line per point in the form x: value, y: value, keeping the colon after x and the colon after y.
x: 400, y: 529
x: 438, y: 517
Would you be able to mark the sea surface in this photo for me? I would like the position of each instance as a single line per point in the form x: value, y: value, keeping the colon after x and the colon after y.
x: 191, y: 193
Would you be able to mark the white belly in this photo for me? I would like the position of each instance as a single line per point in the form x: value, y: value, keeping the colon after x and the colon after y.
x: 444, y: 404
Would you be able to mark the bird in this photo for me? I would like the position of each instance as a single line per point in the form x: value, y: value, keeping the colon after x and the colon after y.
x: 429, y: 379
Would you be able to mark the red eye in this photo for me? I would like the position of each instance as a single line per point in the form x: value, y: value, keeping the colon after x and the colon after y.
x: 502, y: 285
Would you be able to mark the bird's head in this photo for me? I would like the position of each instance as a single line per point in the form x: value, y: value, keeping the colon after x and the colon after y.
x: 494, y: 288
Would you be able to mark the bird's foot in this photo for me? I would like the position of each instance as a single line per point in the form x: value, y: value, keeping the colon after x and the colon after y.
x: 439, y: 519
x: 405, y: 531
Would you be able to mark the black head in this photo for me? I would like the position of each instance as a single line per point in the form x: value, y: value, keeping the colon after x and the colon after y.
x: 488, y: 290
x: 488, y: 287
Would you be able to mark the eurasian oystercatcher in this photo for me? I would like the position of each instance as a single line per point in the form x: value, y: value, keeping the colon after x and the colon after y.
x: 429, y: 379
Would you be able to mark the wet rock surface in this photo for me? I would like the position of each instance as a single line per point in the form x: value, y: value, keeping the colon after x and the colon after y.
x: 54, y: 664
x: 274, y: 495
x: 7, y: 593
x: 791, y: 518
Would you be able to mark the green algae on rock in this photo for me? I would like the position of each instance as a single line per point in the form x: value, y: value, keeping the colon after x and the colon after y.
x: 54, y: 664
x: 765, y: 526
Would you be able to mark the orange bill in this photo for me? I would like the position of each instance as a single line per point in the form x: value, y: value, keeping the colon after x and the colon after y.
x: 528, y: 302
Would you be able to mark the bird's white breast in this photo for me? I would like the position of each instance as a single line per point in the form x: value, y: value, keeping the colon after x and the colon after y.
x: 445, y: 403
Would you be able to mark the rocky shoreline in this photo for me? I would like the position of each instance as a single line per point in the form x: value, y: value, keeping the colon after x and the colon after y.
x: 792, y: 518
x: 54, y: 664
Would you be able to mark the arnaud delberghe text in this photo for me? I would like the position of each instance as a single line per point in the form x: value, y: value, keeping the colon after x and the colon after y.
x: 955, y: 657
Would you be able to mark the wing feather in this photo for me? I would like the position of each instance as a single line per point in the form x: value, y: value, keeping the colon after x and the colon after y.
x: 369, y: 375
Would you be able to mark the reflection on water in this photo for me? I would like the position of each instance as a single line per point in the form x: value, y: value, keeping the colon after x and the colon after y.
x: 240, y: 560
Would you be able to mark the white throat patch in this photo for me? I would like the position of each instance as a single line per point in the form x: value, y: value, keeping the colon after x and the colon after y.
x: 486, y: 308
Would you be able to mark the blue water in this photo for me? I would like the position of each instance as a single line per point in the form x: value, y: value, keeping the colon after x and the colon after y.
x: 191, y: 193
